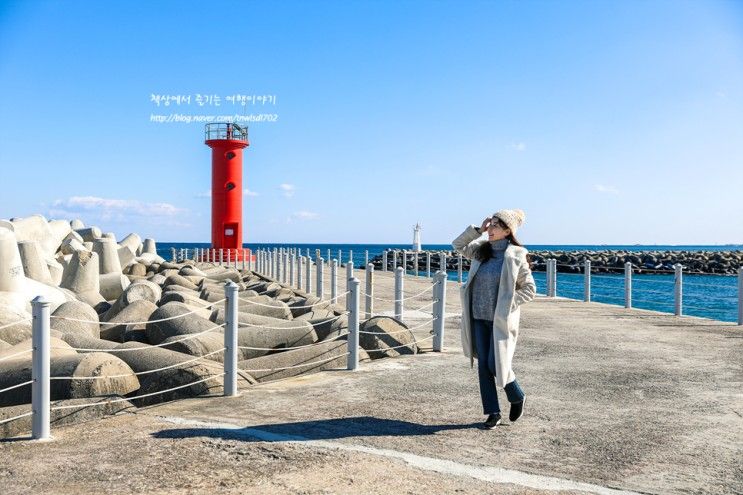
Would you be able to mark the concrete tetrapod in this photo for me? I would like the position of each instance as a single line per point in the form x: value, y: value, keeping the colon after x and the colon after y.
x: 387, y: 333
x: 181, y: 321
x: 131, y: 242
x: 18, y: 332
x: 336, y: 354
x: 34, y: 266
x: 36, y: 228
x: 265, y: 307
x: 75, y: 310
x: 90, y: 234
x: 78, y: 365
x: 108, y: 255
x: 113, y: 285
x: 81, y: 277
x: 140, y: 290
x: 128, y: 320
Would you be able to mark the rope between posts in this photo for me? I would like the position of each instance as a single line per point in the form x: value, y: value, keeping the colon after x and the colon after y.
x: 295, y: 307
x: 114, y: 324
x: 199, y: 358
x: 8, y: 325
x: 162, y: 344
x: 293, y: 347
x: 3, y: 421
x: 409, y: 329
x: 126, y: 399
x: 427, y: 305
x: 297, y: 365
x: 404, y: 298
x: 17, y: 386
x: 415, y: 342
x: 294, y: 328
x: 4, y: 358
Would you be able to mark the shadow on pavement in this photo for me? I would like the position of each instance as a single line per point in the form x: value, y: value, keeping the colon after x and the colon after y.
x: 324, y: 429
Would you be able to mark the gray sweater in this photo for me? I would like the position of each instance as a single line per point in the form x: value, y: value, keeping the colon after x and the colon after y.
x: 486, y: 281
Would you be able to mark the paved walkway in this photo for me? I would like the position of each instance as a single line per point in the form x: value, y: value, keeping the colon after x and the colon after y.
x: 618, y: 401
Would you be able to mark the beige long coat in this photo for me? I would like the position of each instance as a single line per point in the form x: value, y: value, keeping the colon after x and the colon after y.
x: 516, y: 287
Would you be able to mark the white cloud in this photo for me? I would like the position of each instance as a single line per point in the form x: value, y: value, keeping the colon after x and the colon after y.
x: 302, y: 215
x: 518, y: 146
x: 113, y: 208
x: 288, y: 189
x: 248, y: 192
x: 606, y: 189
x: 207, y: 194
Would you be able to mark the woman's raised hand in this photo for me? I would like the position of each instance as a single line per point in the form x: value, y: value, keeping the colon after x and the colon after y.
x: 485, y: 224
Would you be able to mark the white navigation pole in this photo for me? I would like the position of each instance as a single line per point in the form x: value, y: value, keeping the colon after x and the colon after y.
x: 417, y: 237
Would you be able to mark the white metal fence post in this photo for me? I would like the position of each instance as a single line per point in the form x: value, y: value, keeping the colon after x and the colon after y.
x: 334, y: 281
x: 292, y: 262
x: 415, y: 262
x: 221, y: 257
x: 40, y: 389
x: 428, y: 264
x: 299, y: 271
x: 678, y: 289
x: 459, y: 269
x: 366, y: 257
x: 229, y: 257
x: 740, y: 296
x: 172, y: 255
x: 285, y: 261
x: 398, y: 292
x: 369, y: 306
x: 394, y: 260
x: 319, y: 291
x: 353, y: 327
x: 230, y: 339
x: 439, y: 310
x: 350, y: 255
x: 384, y: 260
x: 587, y: 280
x: 349, y: 276
x: 628, y: 285
x: 442, y: 263
x: 308, y: 276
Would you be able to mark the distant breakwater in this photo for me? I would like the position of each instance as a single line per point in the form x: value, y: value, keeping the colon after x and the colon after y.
x: 606, y: 261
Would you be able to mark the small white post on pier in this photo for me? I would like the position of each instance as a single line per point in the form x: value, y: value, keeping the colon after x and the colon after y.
x: 350, y: 255
x: 442, y: 262
x: 333, y: 281
x: 172, y: 255
x: 740, y: 296
x: 587, y: 280
x: 366, y: 257
x: 369, y: 296
x: 230, y: 339
x: 40, y: 366
x: 278, y: 267
x: 319, y: 291
x: 439, y: 310
x: 678, y: 289
x: 628, y: 285
x: 459, y: 269
x: 299, y: 272
x: 353, y: 327
x: 394, y: 260
x: 415, y: 262
x: 349, y: 276
x: 229, y: 257
x: 308, y: 276
x: 428, y: 264
x: 221, y: 257
x: 292, y: 263
x: 384, y: 260
x: 398, y: 292
x: 340, y: 257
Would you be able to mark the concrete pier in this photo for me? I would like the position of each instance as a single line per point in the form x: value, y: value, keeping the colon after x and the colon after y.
x: 619, y: 401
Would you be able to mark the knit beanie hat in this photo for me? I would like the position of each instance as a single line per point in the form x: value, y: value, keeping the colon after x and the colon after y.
x: 512, y: 218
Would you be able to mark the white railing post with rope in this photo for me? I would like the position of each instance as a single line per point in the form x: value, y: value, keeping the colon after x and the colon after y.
x: 333, y: 281
x: 285, y: 262
x: 353, y: 327
x: 308, y: 276
x: 587, y: 280
x: 229, y: 257
x: 292, y: 262
x: 415, y: 262
x: 628, y: 285
x: 340, y: 257
x: 329, y: 254
x: 366, y: 257
x: 172, y: 254
x: 221, y: 257
x: 398, y: 292
x: 459, y: 269
x: 442, y: 261
x: 230, y: 339
x: 279, y: 260
x: 300, y: 259
x: 350, y: 256
x: 237, y: 257
x: 384, y: 260
x: 678, y: 288
x: 40, y: 391
x: 208, y: 257
x: 319, y: 285
x: 404, y: 262
x: 394, y: 260
x: 428, y: 264
x: 349, y: 276
x: 369, y: 296
x: 439, y: 308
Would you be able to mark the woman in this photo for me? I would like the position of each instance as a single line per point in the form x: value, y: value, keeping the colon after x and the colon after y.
x: 499, y: 282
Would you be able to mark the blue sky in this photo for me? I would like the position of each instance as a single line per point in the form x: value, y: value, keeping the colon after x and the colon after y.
x: 607, y: 122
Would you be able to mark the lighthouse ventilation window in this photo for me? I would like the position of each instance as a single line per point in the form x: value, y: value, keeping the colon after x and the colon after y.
x: 230, y: 186
x: 230, y: 155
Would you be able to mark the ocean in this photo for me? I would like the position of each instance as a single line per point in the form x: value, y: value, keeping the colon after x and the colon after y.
x: 708, y: 296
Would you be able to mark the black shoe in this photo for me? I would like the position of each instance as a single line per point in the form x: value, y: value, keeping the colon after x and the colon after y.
x: 492, y: 421
x: 517, y: 410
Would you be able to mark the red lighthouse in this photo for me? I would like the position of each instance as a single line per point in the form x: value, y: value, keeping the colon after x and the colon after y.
x: 227, y: 141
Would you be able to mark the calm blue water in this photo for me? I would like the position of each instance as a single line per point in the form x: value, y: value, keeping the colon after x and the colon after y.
x: 708, y: 296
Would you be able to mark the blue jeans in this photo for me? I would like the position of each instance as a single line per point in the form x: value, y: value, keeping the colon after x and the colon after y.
x: 483, y: 334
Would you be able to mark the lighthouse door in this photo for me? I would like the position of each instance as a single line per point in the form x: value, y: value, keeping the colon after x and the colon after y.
x: 230, y: 236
